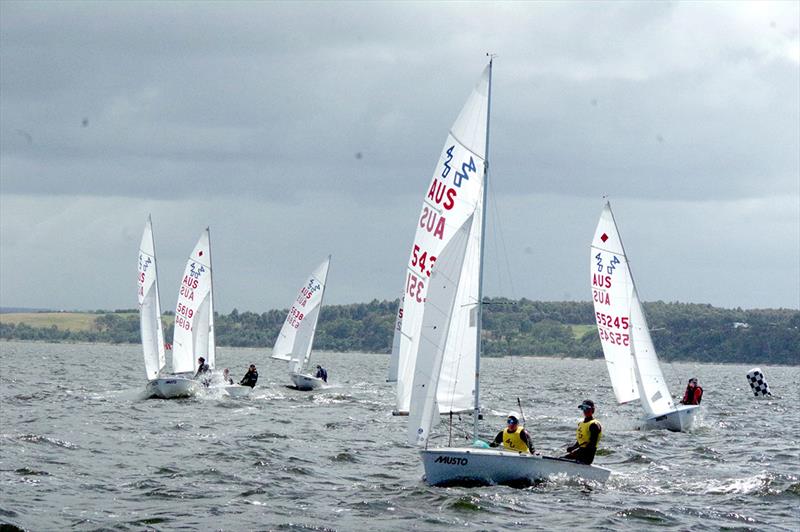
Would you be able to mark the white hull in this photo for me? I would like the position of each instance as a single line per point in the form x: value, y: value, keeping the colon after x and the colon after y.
x: 452, y: 466
x: 172, y: 387
x: 237, y: 390
x: 679, y: 420
x: 306, y: 382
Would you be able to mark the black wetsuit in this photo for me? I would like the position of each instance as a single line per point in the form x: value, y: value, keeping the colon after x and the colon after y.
x: 249, y: 378
x: 201, y: 370
x: 322, y: 374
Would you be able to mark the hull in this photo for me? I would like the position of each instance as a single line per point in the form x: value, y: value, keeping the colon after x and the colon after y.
x: 306, y: 382
x: 679, y: 420
x: 452, y: 466
x: 172, y: 387
x: 237, y: 390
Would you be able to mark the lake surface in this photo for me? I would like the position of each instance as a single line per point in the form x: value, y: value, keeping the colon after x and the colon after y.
x: 80, y: 449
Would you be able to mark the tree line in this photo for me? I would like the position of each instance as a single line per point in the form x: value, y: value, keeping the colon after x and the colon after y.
x: 680, y: 331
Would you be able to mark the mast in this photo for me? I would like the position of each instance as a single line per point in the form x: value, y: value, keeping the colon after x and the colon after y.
x: 479, y: 320
x: 212, y: 342
x: 162, y: 357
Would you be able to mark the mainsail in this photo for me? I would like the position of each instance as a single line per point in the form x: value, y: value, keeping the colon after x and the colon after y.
x: 297, y: 334
x: 149, y: 305
x: 194, y: 314
x: 454, y: 194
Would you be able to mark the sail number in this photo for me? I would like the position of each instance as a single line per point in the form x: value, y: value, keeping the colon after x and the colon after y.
x: 183, y: 323
x: 614, y: 338
x: 414, y: 287
x: 295, y: 317
x: 604, y: 320
x: 422, y: 260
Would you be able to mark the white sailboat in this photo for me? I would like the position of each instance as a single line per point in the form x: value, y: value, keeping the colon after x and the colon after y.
x: 150, y: 325
x: 443, y: 325
x: 628, y: 348
x: 296, y: 337
x: 394, y: 357
x: 193, y: 336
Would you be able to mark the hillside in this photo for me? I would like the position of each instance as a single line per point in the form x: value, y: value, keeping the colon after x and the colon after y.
x: 680, y: 331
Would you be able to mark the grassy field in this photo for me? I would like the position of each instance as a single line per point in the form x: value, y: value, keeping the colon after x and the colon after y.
x: 579, y: 330
x: 70, y: 321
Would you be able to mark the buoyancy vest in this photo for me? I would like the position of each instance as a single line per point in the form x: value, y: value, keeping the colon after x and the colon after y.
x: 513, y: 441
x: 584, y: 435
x: 694, y: 397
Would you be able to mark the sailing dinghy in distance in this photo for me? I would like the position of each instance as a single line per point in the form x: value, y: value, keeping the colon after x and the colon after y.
x: 150, y: 325
x: 447, y: 335
x: 627, y: 346
x: 297, y: 334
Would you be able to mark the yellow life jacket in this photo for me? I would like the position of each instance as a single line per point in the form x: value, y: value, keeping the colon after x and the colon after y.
x: 513, y: 441
x: 584, y: 436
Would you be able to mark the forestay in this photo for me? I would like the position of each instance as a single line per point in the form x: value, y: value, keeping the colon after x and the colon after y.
x: 194, y: 313
x: 297, y: 334
x: 453, y: 195
x: 150, y: 306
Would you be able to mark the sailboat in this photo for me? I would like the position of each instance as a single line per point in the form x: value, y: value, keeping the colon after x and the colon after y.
x: 152, y: 331
x: 442, y: 321
x: 627, y: 346
x: 296, y: 337
x: 193, y: 336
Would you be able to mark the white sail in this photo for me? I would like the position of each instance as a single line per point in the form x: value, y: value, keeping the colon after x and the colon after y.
x: 194, y: 314
x: 653, y: 390
x: 394, y: 357
x: 628, y: 348
x: 150, y: 306
x: 297, y: 334
x: 453, y: 195
x: 440, y: 309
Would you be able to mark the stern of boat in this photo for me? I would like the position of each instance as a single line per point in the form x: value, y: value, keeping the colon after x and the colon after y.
x: 306, y: 382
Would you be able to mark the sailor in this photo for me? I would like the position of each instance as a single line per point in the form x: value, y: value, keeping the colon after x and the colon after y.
x: 693, y: 394
x: 226, y: 376
x: 250, y: 377
x: 321, y: 373
x: 588, y: 436
x: 514, y: 437
x: 202, y: 367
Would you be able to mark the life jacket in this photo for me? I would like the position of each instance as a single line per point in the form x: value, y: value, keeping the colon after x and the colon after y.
x: 513, y: 441
x: 584, y: 435
x: 692, y: 398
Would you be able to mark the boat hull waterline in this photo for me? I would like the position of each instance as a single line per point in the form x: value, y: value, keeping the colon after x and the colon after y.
x: 453, y: 466
x: 237, y: 390
x: 679, y: 420
x: 172, y: 387
x: 306, y: 382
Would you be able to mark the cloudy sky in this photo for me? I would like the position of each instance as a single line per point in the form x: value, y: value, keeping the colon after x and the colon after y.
x: 299, y: 129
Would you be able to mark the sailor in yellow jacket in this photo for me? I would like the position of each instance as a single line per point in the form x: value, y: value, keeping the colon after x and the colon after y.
x: 514, y: 437
x: 587, y: 436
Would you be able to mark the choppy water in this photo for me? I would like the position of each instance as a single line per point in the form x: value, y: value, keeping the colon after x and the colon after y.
x: 80, y: 449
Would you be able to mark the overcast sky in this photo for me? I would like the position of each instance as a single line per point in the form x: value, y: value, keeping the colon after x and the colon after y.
x: 299, y: 129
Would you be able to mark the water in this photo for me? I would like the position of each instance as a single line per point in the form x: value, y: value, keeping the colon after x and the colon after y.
x: 80, y: 449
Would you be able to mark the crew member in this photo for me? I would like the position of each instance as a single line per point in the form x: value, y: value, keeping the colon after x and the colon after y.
x: 250, y: 377
x: 588, y: 436
x: 514, y: 437
x: 321, y: 373
x: 226, y: 376
x: 202, y: 367
x: 693, y: 394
